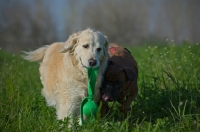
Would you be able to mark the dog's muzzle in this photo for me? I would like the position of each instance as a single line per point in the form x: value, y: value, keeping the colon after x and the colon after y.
x: 92, y: 62
x: 82, y: 63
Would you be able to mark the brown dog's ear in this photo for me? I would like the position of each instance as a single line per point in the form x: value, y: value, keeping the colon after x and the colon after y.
x: 130, y: 74
x: 70, y: 43
x: 110, y: 62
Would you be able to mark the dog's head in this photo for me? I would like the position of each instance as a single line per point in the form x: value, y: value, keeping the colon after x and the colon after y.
x: 116, y: 80
x: 90, y: 47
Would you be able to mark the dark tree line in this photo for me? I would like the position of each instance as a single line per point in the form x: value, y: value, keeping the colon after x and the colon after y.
x: 23, y: 26
x: 28, y: 24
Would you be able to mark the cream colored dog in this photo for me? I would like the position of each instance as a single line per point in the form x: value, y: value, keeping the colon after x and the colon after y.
x: 63, y: 70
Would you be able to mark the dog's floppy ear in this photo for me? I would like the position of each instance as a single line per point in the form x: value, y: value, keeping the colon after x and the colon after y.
x: 70, y: 43
x: 106, y: 46
x: 130, y: 74
x: 110, y: 62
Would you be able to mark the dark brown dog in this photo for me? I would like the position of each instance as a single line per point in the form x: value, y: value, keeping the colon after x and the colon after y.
x: 120, y: 79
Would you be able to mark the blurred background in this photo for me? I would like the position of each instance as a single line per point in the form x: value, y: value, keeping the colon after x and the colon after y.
x: 28, y: 24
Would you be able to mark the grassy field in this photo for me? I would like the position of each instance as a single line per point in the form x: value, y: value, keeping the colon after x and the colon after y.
x: 168, y: 99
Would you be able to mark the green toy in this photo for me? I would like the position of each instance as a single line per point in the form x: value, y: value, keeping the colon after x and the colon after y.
x: 88, y: 106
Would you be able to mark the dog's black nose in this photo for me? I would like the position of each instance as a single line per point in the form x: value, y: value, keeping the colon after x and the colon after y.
x: 92, y: 62
x: 108, y: 87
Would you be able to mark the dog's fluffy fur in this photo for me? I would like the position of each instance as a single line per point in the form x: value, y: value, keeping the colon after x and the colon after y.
x: 63, y: 70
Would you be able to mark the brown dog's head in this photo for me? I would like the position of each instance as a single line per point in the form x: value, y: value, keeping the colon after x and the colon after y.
x: 116, y: 79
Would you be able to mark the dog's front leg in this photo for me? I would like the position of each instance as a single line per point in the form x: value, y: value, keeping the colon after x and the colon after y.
x: 63, y: 110
x: 126, y: 105
x: 67, y: 108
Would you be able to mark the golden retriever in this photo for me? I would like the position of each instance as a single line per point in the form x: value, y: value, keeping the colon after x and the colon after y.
x: 63, y: 70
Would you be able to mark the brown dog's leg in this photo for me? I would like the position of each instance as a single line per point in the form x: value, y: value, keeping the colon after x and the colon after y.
x: 126, y: 106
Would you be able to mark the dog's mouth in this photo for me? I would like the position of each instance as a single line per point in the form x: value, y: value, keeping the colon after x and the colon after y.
x: 87, y: 66
x: 82, y: 62
x: 107, y: 97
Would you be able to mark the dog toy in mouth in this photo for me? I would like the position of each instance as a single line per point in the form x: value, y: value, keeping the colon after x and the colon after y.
x: 88, y: 107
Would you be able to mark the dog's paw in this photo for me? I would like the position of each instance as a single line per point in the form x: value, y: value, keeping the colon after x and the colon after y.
x: 124, y: 109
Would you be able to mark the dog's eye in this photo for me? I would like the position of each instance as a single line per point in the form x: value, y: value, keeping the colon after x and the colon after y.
x: 86, y: 46
x: 98, y: 49
x: 118, y: 84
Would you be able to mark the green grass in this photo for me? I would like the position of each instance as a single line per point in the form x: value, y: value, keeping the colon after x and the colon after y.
x: 168, y: 99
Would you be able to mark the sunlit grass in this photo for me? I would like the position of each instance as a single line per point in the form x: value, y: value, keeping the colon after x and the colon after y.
x: 168, y: 99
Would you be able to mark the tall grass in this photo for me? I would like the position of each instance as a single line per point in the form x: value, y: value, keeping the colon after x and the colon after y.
x: 168, y: 99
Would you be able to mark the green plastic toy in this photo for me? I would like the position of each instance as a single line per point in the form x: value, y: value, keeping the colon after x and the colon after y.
x: 88, y: 106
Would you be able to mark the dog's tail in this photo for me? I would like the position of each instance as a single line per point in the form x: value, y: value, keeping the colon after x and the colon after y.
x: 36, y: 55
